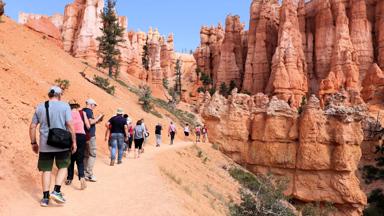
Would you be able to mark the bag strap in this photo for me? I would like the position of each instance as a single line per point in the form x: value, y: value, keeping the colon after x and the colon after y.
x: 47, y: 113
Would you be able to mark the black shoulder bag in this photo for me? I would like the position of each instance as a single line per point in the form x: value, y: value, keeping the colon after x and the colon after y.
x: 57, y: 137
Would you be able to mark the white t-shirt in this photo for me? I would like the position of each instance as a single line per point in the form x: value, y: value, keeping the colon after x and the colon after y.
x: 186, y: 129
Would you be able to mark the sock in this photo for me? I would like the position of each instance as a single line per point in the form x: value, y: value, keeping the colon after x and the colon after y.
x: 46, y: 194
x: 57, y: 188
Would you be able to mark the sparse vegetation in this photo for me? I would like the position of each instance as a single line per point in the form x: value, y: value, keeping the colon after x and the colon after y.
x: 370, y: 175
x: 112, y: 36
x: 177, y: 88
x: 317, y: 209
x: 171, y: 176
x: 145, y: 57
x: 216, y: 146
x: 302, y: 104
x: 104, y: 84
x: 165, y: 83
x: 261, y: 195
x: 146, y: 98
x: 223, y: 89
x: 62, y: 83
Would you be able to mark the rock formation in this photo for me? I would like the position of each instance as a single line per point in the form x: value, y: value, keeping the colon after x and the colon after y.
x: 373, y: 84
x: 288, y: 80
x: 318, y: 152
x: 262, y: 42
x: 231, y: 66
x: 78, y: 29
x: 340, y: 40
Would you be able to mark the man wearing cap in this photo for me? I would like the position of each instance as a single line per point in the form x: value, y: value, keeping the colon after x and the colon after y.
x: 90, y: 150
x: 59, y: 117
x: 118, y: 129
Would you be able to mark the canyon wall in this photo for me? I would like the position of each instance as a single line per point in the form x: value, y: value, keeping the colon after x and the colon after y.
x: 318, y: 152
x: 78, y: 29
x: 297, y: 48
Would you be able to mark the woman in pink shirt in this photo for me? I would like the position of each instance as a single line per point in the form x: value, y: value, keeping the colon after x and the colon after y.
x: 172, y: 132
x: 80, y: 121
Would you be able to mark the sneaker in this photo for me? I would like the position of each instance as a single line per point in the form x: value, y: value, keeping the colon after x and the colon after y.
x: 68, y: 182
x: 44, y: 202
x: 57, y: 197
x: 90, y: 178
x: 119, y: 162
x: 112, y: 163
x: 83, y: 184
x: 124, y: 154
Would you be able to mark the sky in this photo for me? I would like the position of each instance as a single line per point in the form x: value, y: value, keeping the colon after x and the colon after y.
x: 182, y: 17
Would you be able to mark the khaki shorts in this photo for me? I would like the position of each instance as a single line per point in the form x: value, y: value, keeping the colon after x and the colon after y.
x: 45, y: 163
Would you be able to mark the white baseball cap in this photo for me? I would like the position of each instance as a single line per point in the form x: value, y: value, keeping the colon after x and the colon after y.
x: 55, y: 90
x: 90, y: 101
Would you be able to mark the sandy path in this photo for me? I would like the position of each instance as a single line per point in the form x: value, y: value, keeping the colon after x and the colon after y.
x: 135, y: 187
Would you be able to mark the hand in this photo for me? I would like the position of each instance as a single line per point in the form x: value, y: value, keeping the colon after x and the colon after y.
x: 126, y: 139
x: 35, y: 148
x: 106, y: 139
x: 74, y: 148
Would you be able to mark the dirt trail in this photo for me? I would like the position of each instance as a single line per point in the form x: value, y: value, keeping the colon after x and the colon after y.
x: 135, y: 187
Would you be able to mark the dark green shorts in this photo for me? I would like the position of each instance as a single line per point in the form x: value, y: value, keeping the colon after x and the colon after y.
x: 45, y: 163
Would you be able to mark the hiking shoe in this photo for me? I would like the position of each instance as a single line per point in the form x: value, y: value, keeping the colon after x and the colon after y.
x: 44, y: 202
x: 112, y: 163
x: 83, y: 184
x: 57, y: 197
x: 68, y: 182
x: 125, y: 154
x: 90, y: 178
x: 119, y: 162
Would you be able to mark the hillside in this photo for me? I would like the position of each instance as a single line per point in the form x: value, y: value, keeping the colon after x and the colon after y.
x: 29, y: 64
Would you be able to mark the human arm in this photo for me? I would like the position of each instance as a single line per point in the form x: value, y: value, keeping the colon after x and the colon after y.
x: 32, y: 135
x: 107, y: 132
x: 69, y: 125
x: 126, y: 132
x: 86, y: 120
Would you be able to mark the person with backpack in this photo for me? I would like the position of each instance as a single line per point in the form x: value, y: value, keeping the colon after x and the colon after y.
x: 158, y: 129
x: 91, y: 150
x: 146, y: 134
x: 198, y: 133
x: 55, y: 120
x: 204, y: 132
x: 128, y: 144
x: 80, y: 121
x: 118, y: 131
x: 138, y: 135
x: 172, y: 132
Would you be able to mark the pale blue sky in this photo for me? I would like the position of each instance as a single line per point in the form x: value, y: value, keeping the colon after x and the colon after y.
x: 182, y: 17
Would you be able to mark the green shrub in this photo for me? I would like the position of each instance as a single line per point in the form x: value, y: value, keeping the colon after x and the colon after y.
x: 223, y: 89
x: 206, y: 79
x: 376, y: 203
x: 104, y: 84
x: 261, y: 195
x: 146, y: 98
x: 201, y: 90
x: 62, y: 83
x: 317, y: 209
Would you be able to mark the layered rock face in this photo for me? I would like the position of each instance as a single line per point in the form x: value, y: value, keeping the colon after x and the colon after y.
x: 319, y: 47
x: 318, y: 152
x: 231, y: 66
x: 262, y: 42
x: 78, y: 29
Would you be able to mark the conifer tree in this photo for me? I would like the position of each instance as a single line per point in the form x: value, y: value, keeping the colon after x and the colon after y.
x: 112, y: 36
x: 178, y: 77
x: 145, y: 57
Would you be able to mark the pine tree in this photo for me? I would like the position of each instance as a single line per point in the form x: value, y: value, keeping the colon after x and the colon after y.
x: 223, y: 89
x: 178, y: 77
x: 145, y: 57
x: 112, y: 36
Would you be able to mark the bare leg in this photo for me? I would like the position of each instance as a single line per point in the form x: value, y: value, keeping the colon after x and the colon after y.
x: 61, y: 173
x: 46, y: 180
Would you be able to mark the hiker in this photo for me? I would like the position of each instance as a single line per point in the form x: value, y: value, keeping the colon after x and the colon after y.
x: 197, y: 133
x: 204, y: 133
x: 90, y: 150
x: 158, y: 129
x: 118, y: 130
x: 138, y: 135
x: 146, y: 134
x: 128, y: 144
x: 80, y: 121
x: 53, y: 116
x: 186, y: 130
x: 172, y: 132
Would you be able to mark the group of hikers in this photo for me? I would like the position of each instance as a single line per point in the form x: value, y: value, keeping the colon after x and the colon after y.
x: 68, y: 137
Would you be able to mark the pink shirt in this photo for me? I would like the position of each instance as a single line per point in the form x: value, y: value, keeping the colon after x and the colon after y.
x: 78, y: 123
